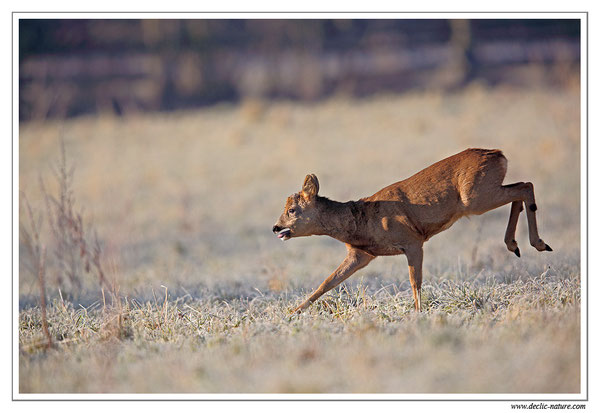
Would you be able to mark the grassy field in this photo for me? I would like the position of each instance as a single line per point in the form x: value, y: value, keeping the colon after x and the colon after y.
x: 183, y: 204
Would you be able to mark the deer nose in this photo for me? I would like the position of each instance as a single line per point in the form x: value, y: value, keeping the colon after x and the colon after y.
x: 276, y: 228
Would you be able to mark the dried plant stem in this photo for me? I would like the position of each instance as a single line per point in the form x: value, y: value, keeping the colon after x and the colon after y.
x: 38, y: 253
x: 76, y: 247
x: 165, y: 304
x: 477, y: 241
x: 42, y: 283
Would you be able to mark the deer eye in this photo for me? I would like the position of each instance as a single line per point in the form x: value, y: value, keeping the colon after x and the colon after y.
x: 291, y: 211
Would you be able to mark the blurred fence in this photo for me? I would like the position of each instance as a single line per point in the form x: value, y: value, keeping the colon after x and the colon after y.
x: 73, y: 67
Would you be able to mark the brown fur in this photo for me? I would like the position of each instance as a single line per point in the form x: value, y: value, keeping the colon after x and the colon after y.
x: 399, y: 218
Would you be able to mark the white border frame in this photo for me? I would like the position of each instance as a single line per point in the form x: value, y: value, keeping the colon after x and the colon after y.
x: 516, y: 397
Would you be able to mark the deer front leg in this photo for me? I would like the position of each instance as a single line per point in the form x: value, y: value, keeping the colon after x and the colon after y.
x: 354, y: 261
x: 414, y: 255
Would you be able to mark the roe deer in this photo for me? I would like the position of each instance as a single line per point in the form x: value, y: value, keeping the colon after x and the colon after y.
x: 401, y: 217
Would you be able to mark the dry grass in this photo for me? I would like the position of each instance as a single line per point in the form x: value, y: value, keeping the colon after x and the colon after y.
x: 186, y: 200
x: 481, y: 336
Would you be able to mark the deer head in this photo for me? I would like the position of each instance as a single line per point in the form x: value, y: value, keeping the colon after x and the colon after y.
x: 300, y: 215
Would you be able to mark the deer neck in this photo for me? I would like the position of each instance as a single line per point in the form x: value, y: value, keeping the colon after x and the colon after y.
x: 336, y: 219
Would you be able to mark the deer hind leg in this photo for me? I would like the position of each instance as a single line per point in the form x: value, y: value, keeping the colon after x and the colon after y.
x: 516, y: 193
x: 534, y: 237
x: 509, y: 236
x: 530, y: 208
x: 415, y: 272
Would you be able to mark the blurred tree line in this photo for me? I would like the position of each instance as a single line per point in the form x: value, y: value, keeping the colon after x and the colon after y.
x: 73, y: 67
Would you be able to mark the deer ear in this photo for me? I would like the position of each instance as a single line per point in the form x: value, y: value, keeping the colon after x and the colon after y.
x: 310, y: 188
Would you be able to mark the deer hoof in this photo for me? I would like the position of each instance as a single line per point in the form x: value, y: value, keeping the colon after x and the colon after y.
x: 540, y: 245
x: 517, y: 252
x: 301, y: 307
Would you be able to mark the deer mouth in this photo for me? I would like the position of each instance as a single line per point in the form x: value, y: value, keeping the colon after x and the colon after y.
x: 284, y: 234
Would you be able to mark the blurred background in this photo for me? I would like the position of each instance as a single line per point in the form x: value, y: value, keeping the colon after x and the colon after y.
x: 75, y: 67
x: 186, y: 136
